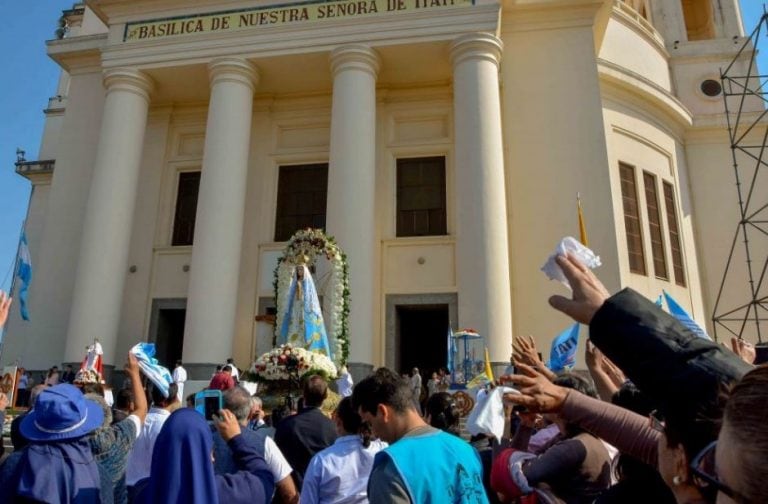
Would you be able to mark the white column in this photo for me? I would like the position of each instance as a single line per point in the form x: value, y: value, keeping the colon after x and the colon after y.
x: 215, y: 268
x: 352, y: 185
x: 102, y: 264
x: 482, y: 257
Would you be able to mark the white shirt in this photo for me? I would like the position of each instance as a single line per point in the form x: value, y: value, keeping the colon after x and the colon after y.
x: 345, y: 384
x: 140, y: 459
x: 416, y: 384
x: 339, y: 474
x: 235, y: 372
x: 179, y: 377
x: 278, y: 466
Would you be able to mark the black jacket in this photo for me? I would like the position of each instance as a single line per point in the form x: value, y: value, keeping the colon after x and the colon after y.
x: 302, y: 435
x: 681, y: 372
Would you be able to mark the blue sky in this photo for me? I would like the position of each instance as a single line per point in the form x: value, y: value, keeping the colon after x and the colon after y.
x: 30, y: 78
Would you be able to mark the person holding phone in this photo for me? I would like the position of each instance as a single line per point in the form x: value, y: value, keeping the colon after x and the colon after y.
x: 208, y: 402
x: 182, y: 466
x: 238, y: 401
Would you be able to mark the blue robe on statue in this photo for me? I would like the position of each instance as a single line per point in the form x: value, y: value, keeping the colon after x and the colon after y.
x: 303, y: 321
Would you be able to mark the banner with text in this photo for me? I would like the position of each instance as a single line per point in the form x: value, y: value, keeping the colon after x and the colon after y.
x: 281, y: 15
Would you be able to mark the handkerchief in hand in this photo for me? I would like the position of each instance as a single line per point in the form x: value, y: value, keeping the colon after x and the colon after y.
x: 573, y: 248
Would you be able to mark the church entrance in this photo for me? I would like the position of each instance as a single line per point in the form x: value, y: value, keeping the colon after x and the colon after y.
x: 166, y: 330
x: 421, y: 338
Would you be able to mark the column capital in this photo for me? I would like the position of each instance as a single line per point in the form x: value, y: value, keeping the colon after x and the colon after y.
x: 232, y: 69
x: 357, y: 57
x: 476, y: 46
x: 130, y: 80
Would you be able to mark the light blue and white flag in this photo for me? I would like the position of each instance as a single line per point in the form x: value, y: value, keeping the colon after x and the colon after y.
x: 157, y: 374
x: 24, y: 273
x: 451, y: 350
x: 562, y: 356
x: 682, y: 316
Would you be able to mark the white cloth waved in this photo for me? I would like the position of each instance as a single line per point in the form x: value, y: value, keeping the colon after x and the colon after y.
x: 573, y: 248
x: 487, y: 417
x: 157, y: 374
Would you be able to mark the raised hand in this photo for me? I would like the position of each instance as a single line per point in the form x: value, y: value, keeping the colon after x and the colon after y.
x: 227, y: 424
x: 537, y: 393
x: 530, y: 420
x: 607, y: 377
x: 131, y: 366
x: 742, y: 348
x: 593, y: 357
x: 524, y: 351
x: 5, y: 307
x: 589, y: 293
x: 616, y: 375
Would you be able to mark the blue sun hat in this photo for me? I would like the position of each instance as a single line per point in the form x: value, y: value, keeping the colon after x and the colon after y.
x: 61, y: 412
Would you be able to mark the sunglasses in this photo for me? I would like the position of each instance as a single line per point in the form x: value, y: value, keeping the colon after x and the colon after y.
x: 705, y: 474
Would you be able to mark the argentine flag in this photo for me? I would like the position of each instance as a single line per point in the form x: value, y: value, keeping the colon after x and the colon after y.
x: 24, y: 273
x: 562, y: 356
x: 681, y: 315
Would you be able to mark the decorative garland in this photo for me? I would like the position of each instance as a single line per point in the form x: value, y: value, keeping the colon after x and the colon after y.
x: 310, y: 244
x: 293, y: 363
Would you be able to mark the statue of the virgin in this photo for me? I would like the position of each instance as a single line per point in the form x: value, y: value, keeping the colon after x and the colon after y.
x: 303, y: 319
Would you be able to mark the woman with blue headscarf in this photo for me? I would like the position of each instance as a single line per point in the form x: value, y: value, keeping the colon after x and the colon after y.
x: 182, y: 465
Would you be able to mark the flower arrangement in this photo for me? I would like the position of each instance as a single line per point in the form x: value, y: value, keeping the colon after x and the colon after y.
x: 290, y: 363
x: 307, y: 245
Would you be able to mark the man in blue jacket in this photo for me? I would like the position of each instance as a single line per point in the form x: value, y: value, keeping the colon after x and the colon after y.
x: 422, y: 464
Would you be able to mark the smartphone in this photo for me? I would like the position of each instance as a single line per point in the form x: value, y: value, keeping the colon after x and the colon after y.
x: 761, y: 353
x: 208, y: 403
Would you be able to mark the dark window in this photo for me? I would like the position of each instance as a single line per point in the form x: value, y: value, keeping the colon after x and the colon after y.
x: 421, y: 197
x: 186, y: 206
x: 654, y: 223
x: 711, y: 88
x: 632, y: 219
x: 674, y: 234
x: 302, y: 191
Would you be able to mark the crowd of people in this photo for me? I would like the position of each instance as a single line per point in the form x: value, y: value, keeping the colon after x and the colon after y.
x: 662, y: 416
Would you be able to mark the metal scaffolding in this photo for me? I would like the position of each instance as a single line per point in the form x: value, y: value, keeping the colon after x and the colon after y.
x: 746, y: 315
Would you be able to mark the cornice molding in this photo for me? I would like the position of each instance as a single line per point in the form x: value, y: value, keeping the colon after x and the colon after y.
x: 37, y: 172
x: 616, y: 75
x: 121, y: 11
x: 78, y: 54
x: 528, y: 15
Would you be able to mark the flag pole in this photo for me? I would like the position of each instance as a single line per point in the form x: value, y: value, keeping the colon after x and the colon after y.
x: 13, y: 282
x: 582, y: 224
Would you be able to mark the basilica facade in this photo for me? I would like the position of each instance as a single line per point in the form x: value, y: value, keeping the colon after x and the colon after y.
x: 441, y: 142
